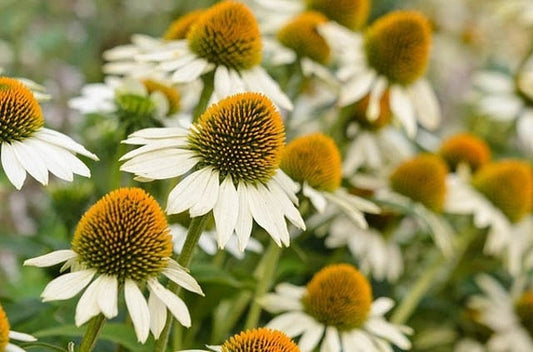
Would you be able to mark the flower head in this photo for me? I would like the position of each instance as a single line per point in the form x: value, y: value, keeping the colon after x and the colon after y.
x: 314, y: 159
x: 423, y: 179
x: 339, y: 296
x: 26, y: 146
x: 397, y: 46
x: 465, y: 148
x: 124, y: 240
x: 507, y: 184
x: 262, y: 339
x: 234, y: 151
x: 349, y: 13
x: 227, y: 34
x: 301, y: 35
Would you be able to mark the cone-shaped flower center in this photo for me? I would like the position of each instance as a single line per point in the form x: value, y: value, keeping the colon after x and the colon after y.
x: 507, y: 184
x: 423, y: 179
x: 397, y: 46
x: 4, y: 329
x: 465, y: 148
x: 359, y: 113
x: 314, y: 159
x: 260, y: 340
x: 20, y: 114
x: 227, y: 34
x: 349, y: 13
x: 339, y: 296
x: 125, y: 234
x: 180, y: 27
x: 524, y: 310
x: 301, y: 35
x: 172, y: 95
x: 241, y: 136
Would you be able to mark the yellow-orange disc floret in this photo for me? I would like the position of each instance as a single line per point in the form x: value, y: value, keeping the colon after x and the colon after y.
x: 180, y: 27
x: 465, y: 148
x: 397, y: 46
x: 125, y: 234
x: 423, y: 179
x: 4, y: 330
x: 241, y: 136
x: 20, y: 113
x: 524, y: 310
x: 227, y: 34
x: 339, y: 296
x: 301, y: 35
x: 172, y: 95
x: 359, y: 113
x: 260, y: 340
x: 314, y: 159
x: 507, y: 184
x: 352, y: 14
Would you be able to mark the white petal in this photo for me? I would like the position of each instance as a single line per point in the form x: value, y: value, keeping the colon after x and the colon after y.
x: 331, y: 341
x: 158, y: 133
x: 493, y: 81
x: 158, y: 315
x: 374, y: 106
x: 356, y: 88
x: 87, y: 306
x: 181, y: 277
x: 190, y: 72
x: 19, y: 336
x: 222, y: 82
x: 316, y: 198
x: 389, y: 332
x: 311, y: 337
x: 29, y: 159
x: 381, y: 306
x: 226, y: 211
x: 13, y: 348
x: 52, y: 258
x: 426, y: 104
x: 208, y: 197
x: 138, y: 309
x: 402, y: 108
x: 64, y: 141
x: 185, y: 194
x: 257, y: 79
x: 107, y: 295
x: 14, y: 170
x: 265, y: 213
x: 286, y: 207
x: 52, y: 156
x: 67, y: 285
x: 162, y: 164
x: 243, y: 227
x: 175, y: 304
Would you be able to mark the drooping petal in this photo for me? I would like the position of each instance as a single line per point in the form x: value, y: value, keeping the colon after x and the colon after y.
x: 185, y: 194
x: 402, y: 108
x: 180, y: 276
x: 52, y: 258
x: 138, y: 309
x: 158, y: 315
x: 67, y: 285
x: 226, y: 211
x: 356, y: 88
x: 175, y: 304
x: 426, y: 104
x: 107, y: 295
x: 208, y: 197
x: 87, y: 306
x: 29, y: 159
x: 14, y: 170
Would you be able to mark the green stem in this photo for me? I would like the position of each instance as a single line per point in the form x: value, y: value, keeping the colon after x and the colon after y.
x: 91, y: 334
x: 193, y: 235
x: 439, y: 269
x: 209, y: 86
x: 266, y: 271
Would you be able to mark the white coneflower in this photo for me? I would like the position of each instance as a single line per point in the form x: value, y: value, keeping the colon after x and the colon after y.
x: 315, y: 161
x: 6, y: 334
x: 27, y: 146
x: 224, y: 39
x: 335, y: 311
x: 124, y: 241
x: 391, y: 56
x: 231, y: 161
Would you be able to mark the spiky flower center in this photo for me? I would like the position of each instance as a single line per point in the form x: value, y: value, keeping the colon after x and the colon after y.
x: 20, y: 113
x: 241, y: 136
x: 125, y: 234
x: 359, y: 113
x: 301, y: 35
x: 227, y: 34
x: 314, y: 159
x: 4, y: 329
x: 338, y: 296
x: 260, y: 340
x: 508, y: 185
x: 423, y: 179
x: 465, y: 148
x: 397, y: 46
x: 349, y: 13
x: 180, y: 27
x: 524, y: 310
x: 172, y: 95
